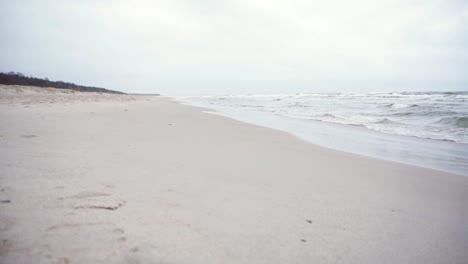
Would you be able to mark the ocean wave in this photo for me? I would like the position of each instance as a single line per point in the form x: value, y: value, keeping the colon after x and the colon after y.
x: 401, y: 105
x: 461, y: 122
x: 435, y: 115
x: 423, y: 113
x: 328, y: 115
x: 385, y: 121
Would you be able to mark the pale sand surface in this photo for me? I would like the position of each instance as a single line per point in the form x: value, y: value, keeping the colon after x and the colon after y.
x: 90, y: 178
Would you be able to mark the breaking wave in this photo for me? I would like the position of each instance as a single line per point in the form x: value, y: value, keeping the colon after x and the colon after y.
x: 434, y: 115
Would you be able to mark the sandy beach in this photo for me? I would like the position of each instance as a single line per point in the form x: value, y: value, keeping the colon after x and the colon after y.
x: 101, y: 178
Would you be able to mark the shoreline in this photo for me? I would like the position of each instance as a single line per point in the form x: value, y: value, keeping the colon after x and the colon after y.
x: 147, y: 179
x: 409, y: 150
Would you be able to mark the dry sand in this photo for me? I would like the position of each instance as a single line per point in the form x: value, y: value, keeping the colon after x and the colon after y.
x: 98, y: 178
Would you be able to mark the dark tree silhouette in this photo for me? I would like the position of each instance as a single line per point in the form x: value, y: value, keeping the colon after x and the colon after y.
x: 17, y: 78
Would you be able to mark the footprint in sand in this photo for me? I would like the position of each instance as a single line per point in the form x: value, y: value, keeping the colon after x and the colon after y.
x: 28, y: 136
x: 64, y: 260
x: 120, y: 233
x: 94, y: 200
x: 4, y: 195
x: 5, y: 246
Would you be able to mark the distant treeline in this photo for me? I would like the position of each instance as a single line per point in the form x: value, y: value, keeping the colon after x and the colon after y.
x: 17, y: 78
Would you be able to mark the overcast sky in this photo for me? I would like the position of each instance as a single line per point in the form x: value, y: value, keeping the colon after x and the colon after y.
x: 182, y: 47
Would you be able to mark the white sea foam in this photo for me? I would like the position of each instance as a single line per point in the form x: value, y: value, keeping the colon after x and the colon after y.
x: 441, y: 116
x: 423, y: 129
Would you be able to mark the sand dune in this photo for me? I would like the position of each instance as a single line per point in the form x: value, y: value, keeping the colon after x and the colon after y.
x: 104, y: 178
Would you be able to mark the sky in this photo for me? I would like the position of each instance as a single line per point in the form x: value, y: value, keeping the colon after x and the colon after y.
x: 182, y: 47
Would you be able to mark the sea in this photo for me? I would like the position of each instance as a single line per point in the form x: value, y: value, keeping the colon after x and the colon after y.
x: 427, y: 129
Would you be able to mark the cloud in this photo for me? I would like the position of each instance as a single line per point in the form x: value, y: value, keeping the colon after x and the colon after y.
x: 187, y: 47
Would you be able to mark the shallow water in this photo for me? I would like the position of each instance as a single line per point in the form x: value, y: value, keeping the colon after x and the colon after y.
x: 407, y: 128
x: 442, y: 116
